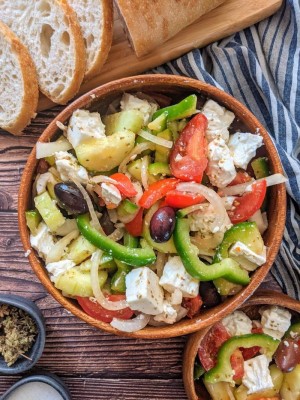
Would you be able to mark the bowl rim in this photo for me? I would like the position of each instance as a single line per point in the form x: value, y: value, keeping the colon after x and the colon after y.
x: 261, y: 297
x: 38, y: 346
x: 130, y: 84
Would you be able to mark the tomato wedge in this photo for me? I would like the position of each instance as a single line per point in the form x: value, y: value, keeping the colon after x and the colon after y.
x: 193, y: 305
x: 135, y: 227
x: 246, y: 205
x: 157, y: 191
x: 98, y: 312
x: 237, y: 364
x: 177, y: 199
x: 124, y: 184
x: 241, y: 177
x: 250, y: 352
x: 188, y: 158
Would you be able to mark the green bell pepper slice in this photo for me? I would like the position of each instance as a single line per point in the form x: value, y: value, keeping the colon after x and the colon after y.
x: 260, y: 167
x: 295, y: 328
x: 183, y: 109
x: 226, y: 268
x: 223, y: 372
x: 138, y: 257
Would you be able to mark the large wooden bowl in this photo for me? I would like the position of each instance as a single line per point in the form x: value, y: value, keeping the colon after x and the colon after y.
x: 174, y: 86
x: 251, y: 307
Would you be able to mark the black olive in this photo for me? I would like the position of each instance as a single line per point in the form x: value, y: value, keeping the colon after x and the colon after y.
x: 162, y: 224
x: 70, y: 198
x: 209, y: 295
x: 106, y: 223
x: 287, y: 355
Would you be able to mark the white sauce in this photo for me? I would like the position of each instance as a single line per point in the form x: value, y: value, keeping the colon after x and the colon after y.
x: 35, y: 391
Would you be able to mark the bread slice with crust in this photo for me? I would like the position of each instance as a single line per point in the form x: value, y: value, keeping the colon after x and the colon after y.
x: 18, y: 84
x: 96, y: 21
x: 50, y: 30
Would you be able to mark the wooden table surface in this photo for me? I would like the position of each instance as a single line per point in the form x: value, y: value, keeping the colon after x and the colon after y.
x: 94, y: 364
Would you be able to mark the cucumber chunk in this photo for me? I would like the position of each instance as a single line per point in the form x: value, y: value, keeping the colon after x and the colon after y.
x: 132, y: 120
x: 49, y: 211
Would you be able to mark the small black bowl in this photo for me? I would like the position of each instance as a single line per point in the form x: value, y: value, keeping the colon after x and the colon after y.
x: 44, y: 377
x: 24, y: 364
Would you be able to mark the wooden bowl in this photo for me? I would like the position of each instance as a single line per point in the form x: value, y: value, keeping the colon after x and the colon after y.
x: 176, y: 87
x: 266, y: 297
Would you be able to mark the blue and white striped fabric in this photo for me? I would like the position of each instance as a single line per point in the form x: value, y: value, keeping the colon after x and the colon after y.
x: 260, y: 66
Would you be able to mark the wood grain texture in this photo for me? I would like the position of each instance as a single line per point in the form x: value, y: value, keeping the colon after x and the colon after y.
x: 228, y: 18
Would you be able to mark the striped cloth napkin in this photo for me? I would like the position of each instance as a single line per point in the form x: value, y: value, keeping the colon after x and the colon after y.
x: 260, y: 66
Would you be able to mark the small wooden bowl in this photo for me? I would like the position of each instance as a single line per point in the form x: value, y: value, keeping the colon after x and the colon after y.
x: 266, y: 297
x: 176, y: 87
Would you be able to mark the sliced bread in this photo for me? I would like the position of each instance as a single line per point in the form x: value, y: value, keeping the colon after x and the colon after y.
x: 18, y: 84
x: 96, y: 21
x: 50, y: 30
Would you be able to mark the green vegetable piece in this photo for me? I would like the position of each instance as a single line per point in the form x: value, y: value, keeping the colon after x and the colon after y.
x: 134, y: 168
x: 294, y: 328
x: 80, y: 249
x: 223, y: 372
x: 50, y: 160
x: 198, y: 371
x: 126, y: 208
x: 173, y: 127
x: 137, y: 257
x: 162, y: 153
x: 260, y: 167
x: 131, y: 120
x: 118, y: 284
x: 159, y: 124
x: 226, y: 268
x: 290, y: 389
x: 130, y: 241
x: 159, y: 168
x: 183, y: 109
x: 33, y: 218
x: 106, y: 262
x: 76, y: 282
x: 49, y: 211
x: 219, y: 390
x: 226, y: 288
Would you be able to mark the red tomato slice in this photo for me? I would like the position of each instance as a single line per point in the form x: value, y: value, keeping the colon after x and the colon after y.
x: 178, y: 199
x: 188, y: 158
x: 135, y: 227
x: 124, y: 184
x: 246, y: 205
x: 210, y: 345
x: 98, y: 312
x: 250, y: 352
x: 237, y: 364
x: 241, y: 177
x: 192, y: 305
x: 157, y: 191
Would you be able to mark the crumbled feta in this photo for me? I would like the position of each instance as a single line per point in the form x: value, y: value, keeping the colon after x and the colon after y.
x: 275, y: 321
x: 130, y: 102
x: 228, y: 202
x: 257, y: 375
x: 175, y: 277
x: 202, y: 221
x: 143, y: 292
x: 110, y: 194
x: 43, y: 180
x: 239, y: 249
x: 237, y: 323
x: 219, y: 120
x: 220, y: 169
x: 42, y: 241
x: 83, y: 126
x: 68, y: 167
x: 59, y: 267
x: 243, y: 147
x: 168, y: 315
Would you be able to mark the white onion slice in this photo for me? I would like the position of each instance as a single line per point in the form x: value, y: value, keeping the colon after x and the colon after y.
x: 213, y: 198
x: 274, y: 179
x: 58, y: 249
x: 117, y: 234
x: 155, y: 139
x: 131, y: 325
x: 68, y: 226
x: 261, y: 222
x: 128, y: 218
x: 99, y: 296
x: 48, y: 149
x: 132, y: 155
x: 102, y: 179
x: 144, y: 172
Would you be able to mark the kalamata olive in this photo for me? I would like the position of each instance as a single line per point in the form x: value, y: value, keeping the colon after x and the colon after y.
x: 42, y: 166
x: 287, y: 355
x: 209, y: 295
x: 70, y: 198
x: 162, y: 224
x: 106, y: 223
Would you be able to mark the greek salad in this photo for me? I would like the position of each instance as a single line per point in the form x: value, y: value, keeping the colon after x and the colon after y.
x: 244, y: 359
x: 151, y: 211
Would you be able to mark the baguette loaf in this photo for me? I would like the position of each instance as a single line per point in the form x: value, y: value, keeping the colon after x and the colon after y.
x: 96, y: 21
x: 50, y: 30
x: 18, y: 85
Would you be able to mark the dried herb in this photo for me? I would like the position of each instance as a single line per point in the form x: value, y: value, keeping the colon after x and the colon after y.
x: 17, y: 333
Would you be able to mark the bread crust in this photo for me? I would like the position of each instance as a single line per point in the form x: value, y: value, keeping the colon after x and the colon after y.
x: 151, y: 23
x: 30, y: 83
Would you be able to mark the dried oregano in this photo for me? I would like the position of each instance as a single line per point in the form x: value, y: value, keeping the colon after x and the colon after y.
x: 17, y: 333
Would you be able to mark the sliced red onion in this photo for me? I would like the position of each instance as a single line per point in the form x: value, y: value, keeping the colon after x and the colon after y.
x: 131, y: 325
x: 48, y: 149
x: 155, y: 139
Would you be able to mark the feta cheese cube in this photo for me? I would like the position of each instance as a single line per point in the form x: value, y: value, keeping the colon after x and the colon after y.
x: 68, y: 167
x: 220, y: 169
x: 130, y: 102
x: 257, y: 375
x: 175, y: 277
x: 42, y: 241
x: 237, y: 323
x: 59, y: 267
x: 239, y: 249
x: 219, y: 120
x: 110, y: 194
x: 203, y: 219
x: 243, y: 147
x: 275, y: 321
x: 168, y: 315
x: 143, y: 292
x: 83, y: 126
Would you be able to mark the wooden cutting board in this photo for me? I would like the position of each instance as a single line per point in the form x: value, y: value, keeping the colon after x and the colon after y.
x: 232, y: 16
